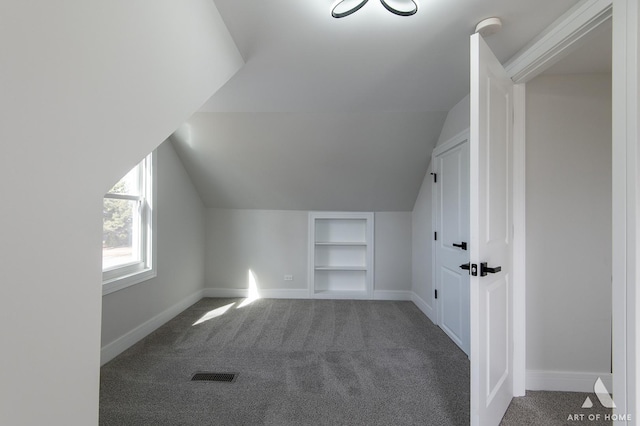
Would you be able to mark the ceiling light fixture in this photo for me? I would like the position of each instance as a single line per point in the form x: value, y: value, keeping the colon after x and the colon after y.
x: 399, y: 7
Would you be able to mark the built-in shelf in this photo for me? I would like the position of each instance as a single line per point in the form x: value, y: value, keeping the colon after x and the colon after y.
x: 341, y: 255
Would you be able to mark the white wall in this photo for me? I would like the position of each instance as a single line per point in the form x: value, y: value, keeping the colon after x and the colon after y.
x: 568, y: 226
x: 180, y: 258
x: 88, y: 88
x: 272, y: 243
x: 457, y: 121
x: 392, y: 248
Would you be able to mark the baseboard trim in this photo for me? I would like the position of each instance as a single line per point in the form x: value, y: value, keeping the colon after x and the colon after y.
x: 391, y: 295
x: 264, y: 293
x: 566, y: 381
x: 423, y: 306
x: 225, y: 292
x: 296, y: 293
x: 124, y: 342
x: 284, y: 294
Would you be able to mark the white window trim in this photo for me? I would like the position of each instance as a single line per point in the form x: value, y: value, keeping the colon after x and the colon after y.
x: 127, y: 275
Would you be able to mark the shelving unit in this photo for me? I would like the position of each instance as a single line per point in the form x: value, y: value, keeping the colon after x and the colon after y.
x: 341, y: 255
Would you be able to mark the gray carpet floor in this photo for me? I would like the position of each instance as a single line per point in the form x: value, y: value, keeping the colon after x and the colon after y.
x: 299, y: 362
x: 555, y: 409
x: 307, y: 362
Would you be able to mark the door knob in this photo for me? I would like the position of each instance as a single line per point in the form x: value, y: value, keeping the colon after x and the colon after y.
x: 462, y: 245
x: 466, y: 266
x: 484, y: 269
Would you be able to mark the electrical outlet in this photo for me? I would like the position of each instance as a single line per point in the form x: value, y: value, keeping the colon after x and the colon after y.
x: 288, y: 277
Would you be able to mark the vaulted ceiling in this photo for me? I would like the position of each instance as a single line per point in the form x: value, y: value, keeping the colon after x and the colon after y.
x: 340, y: 114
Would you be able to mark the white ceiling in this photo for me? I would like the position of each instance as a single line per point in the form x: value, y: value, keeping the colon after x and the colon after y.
x: 299, y: 58
x: 340, y: 114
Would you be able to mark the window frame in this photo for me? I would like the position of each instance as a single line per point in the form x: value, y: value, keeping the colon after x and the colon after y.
x: 122, y: 276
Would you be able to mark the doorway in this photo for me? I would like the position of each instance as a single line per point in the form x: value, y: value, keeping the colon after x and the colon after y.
x: 577, y: 111
x: 549, y: 47
x: 569, y: 224
x: 590, y: 157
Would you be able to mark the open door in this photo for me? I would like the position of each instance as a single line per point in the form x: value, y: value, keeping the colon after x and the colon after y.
x: 490, y: 140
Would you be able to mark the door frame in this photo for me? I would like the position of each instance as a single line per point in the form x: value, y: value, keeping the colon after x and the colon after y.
x: 549, y: 47
x: 454, y: 141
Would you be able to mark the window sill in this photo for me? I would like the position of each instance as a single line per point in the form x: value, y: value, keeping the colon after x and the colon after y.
x: 119, y: 283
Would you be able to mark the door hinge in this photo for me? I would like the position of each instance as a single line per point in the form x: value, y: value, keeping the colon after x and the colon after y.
x: 435, y: 236
x: 435, y: 177
x: 436, y: 293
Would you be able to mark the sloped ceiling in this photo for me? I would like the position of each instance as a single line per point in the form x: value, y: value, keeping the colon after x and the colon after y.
x: 340, y: 114
x: 309, y: 161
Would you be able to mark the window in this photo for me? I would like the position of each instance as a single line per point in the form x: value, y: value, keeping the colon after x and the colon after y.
x: 127, y: 230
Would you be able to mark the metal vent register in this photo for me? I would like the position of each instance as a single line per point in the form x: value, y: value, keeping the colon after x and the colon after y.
x: 214, y: 377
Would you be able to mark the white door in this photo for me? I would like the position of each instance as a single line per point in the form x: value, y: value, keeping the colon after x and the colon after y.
x: 490, y: 168
x: 451, y: 166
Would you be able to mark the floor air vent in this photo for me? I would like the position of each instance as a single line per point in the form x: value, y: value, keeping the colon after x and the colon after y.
x: 214, y: 377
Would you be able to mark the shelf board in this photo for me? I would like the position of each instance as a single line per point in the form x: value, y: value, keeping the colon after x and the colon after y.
x: 340, y: 268
x: 338, y: 243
